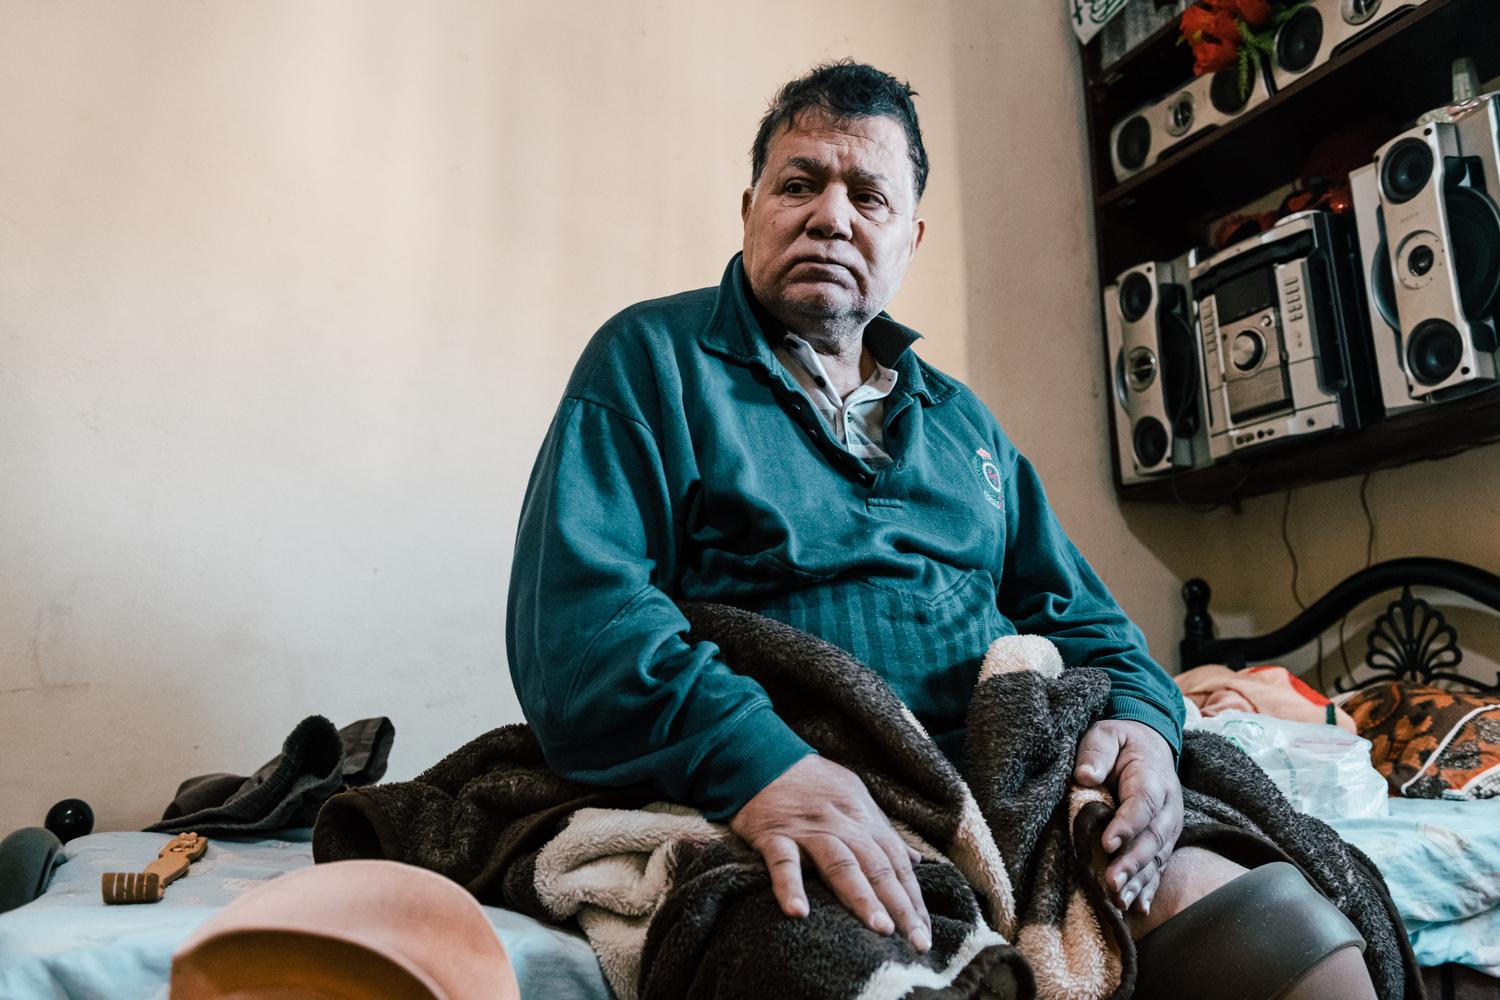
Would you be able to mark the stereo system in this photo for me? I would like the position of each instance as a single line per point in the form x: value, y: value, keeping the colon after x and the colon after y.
x: 1316, y: 32
x: 1320, y: 29
x: 1155, y: 370
x: 1285, y: 344
x: 1182, y: 117
x: 1428, y: 209
x: 1323, y: 323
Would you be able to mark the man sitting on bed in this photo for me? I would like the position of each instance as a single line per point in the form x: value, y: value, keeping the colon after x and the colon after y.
x: 774, y: 443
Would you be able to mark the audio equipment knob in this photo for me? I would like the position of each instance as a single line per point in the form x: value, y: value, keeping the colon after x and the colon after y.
x: 1247, y: 351
x: 1359, y: 11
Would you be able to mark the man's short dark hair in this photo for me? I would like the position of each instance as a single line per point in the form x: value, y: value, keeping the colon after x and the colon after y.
x: 843, y: 90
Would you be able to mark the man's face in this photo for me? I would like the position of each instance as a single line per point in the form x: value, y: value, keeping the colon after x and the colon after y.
x: 831, y: 225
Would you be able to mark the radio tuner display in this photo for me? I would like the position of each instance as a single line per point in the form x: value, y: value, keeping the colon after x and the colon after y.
x: 1245, y: 295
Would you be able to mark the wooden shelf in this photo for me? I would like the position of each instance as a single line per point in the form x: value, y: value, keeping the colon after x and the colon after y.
x: 1420, y: 435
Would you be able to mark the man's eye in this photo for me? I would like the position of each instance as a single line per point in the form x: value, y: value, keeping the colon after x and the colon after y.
x: 796, y: 187
x: 873, y: 199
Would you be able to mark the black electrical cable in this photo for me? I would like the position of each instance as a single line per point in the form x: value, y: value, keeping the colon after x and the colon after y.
x: 1364, y: 501
x: 1286, y: 539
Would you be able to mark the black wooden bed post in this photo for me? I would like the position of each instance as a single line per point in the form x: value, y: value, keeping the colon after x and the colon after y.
x: 1198, y: 626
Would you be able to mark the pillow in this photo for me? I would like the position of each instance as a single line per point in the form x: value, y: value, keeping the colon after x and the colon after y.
x: 1430, y: 743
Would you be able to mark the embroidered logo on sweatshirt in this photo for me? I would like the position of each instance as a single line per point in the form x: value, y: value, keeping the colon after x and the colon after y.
x: 988, y: 472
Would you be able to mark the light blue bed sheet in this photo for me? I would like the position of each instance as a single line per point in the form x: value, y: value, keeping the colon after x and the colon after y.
x: 1441, y: 860
x: 68, y: 944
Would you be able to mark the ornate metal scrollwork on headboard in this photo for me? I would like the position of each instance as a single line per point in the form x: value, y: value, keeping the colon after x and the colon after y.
x: 1410, y: 640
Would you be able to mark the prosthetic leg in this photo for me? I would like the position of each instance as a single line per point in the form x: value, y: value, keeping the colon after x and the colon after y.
x: 1267, y: 935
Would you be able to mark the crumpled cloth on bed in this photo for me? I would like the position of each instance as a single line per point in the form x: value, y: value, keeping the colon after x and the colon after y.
x: 676, y: 906
x: 1214, y: 688
x: 316, y: 762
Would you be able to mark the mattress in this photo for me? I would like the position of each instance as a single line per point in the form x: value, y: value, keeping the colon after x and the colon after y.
x: 1441, y: 860
x: 68, y: 944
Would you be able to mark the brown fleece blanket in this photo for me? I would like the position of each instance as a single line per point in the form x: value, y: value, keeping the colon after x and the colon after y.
x: 676, y: 906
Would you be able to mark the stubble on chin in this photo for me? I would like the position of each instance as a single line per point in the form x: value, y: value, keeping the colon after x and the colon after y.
x: 830, y: 323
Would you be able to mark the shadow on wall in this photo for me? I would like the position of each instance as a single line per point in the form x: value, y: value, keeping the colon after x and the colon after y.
x: 1035, y: 352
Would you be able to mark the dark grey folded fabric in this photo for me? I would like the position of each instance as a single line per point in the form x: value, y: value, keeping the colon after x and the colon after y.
x: 316, y: 762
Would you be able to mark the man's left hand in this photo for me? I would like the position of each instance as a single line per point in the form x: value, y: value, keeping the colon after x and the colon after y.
x: 1135, y: 763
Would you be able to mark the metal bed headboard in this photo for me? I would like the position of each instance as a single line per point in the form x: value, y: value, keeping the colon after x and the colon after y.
x: 1411, y: 640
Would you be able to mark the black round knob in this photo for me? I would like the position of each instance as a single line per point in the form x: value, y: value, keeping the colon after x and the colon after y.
x: 1196, y: 592
x: 70, y: 818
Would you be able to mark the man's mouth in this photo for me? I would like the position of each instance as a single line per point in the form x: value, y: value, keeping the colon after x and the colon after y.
x: 821, y: 262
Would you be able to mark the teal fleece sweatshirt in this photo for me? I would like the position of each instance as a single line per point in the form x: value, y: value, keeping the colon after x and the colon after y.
x: 685, y: 463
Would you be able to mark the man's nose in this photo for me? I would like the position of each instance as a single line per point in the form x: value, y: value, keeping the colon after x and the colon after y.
x: 832, y: 215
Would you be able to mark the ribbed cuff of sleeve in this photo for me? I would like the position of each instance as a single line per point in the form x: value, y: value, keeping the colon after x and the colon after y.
x: 1129, y: 707
x: 757, y: 750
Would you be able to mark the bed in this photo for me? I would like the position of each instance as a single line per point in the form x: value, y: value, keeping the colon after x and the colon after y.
x: 1440, y: 858
x: 67, y: 944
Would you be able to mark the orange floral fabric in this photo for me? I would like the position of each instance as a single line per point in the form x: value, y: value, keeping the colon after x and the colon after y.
x: 1430, y: 743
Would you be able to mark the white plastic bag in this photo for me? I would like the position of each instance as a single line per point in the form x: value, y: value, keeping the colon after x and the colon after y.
x: 1321, y: 769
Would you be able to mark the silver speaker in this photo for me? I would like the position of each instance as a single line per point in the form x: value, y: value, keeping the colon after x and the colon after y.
x: 1380, y: 301
x: 1441, y: 226
x: 1183, y: 116
x: 1320, y: 29
x: 1156, y: 371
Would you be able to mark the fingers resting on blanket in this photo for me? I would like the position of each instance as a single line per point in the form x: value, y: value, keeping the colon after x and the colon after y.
x: 820, y: 812
x: 1135, y: 763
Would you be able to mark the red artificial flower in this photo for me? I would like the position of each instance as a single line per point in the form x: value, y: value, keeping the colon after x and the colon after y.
x: 1197, y: 21
x: 1256, y: 13
x: 1226, y: 27
x: 1210, y: 56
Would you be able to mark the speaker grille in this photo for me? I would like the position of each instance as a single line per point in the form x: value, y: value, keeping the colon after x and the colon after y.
x: 1300, y: 38
x: 1150, y: 442
x: 1405, y: 170
x: 1434, y: 352
x: 1133, y: 143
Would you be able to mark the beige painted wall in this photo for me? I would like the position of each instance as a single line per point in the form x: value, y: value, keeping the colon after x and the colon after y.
x: 288, y: 291
x: 1035, y: 338
x: 1449, y: 508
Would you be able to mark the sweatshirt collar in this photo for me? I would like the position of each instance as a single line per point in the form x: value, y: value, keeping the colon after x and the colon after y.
x: 739, y: 329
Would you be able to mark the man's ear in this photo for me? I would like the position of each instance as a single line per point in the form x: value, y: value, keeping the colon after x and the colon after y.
x: 745, y: 200
x: 918, y: 230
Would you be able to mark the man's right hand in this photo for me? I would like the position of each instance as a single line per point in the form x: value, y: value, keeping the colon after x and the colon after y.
x: 823, y: 810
